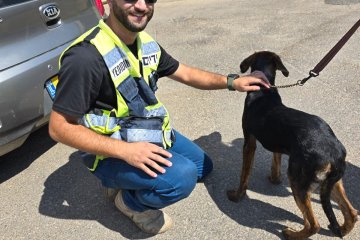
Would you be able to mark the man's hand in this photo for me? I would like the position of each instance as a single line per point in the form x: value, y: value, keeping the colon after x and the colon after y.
x: 251, y: 82
x: 147, y: 157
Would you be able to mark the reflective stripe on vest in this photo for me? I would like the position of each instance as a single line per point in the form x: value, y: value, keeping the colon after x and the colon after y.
x: 134, y: 95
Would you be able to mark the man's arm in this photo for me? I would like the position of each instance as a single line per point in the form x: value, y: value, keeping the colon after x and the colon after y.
x: 64, y: 129
x: 209, y: 81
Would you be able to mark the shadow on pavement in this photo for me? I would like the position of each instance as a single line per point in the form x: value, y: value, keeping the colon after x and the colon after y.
x: 254, y: 213
x: 18, y: 160
x: 342, y: 2
x: 72, y: 192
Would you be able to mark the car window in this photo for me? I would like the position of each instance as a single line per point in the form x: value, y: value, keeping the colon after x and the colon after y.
x: 4, y: 3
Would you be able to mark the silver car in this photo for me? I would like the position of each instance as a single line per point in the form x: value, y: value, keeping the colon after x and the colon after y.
x: 33, y: 33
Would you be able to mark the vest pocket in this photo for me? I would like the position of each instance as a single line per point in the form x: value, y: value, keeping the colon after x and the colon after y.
x: 141, y: 129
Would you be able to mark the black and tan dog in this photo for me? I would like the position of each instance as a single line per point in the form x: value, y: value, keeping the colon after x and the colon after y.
x: 316, y: 156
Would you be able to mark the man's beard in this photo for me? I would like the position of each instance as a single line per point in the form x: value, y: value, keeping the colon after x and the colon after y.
x: 122, y: 17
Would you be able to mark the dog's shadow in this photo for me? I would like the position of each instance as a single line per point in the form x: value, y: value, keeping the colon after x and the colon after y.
x: 255, y: 213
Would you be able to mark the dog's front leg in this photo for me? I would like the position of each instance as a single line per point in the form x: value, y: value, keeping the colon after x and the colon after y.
x: 275, y: 176
x: 248, y: 159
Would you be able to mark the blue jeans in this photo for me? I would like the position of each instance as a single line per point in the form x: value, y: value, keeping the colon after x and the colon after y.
x: 142, y: 192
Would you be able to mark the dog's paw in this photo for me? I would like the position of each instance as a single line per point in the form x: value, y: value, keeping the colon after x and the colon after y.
x: 288, y: 233
x: 336, y: 230
x: 234, y: 195
x: 354, y: 215
x: 275, y: 180
x: 291, y: 234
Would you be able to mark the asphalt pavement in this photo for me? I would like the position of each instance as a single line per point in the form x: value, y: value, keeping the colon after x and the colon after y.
x: 46, y: 193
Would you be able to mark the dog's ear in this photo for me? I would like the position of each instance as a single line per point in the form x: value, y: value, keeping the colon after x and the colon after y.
x: 246, y: 63
x: 280, y: 66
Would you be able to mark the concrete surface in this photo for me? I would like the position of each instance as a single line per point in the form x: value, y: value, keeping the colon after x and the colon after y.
x: 46, y: 193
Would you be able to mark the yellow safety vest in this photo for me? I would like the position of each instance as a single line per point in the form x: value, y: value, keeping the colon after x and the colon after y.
x: 139, y: 115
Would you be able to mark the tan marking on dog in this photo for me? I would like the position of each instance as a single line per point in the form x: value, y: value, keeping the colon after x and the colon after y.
x: 322, y: 174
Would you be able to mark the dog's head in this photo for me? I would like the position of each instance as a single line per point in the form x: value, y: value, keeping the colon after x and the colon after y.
x: 265, y: 61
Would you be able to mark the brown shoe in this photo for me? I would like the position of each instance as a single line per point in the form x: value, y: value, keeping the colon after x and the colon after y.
x: 150, y: 221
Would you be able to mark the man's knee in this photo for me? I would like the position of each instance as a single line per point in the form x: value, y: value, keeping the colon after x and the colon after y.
x: 187, y: 179
x: 171, y: 187
x: 180, y: 182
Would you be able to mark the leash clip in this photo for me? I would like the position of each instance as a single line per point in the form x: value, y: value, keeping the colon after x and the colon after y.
x: 303, y: 81
x: 313, y: 74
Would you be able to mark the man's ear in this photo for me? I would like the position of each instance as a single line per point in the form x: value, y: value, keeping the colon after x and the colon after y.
x: 280, y: 66
x: 246, y: 63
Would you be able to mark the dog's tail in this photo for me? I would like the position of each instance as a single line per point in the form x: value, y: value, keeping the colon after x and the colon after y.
x: 325, y: 194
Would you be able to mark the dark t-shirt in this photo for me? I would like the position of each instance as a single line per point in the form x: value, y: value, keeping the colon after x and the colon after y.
x: 85, y: 82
